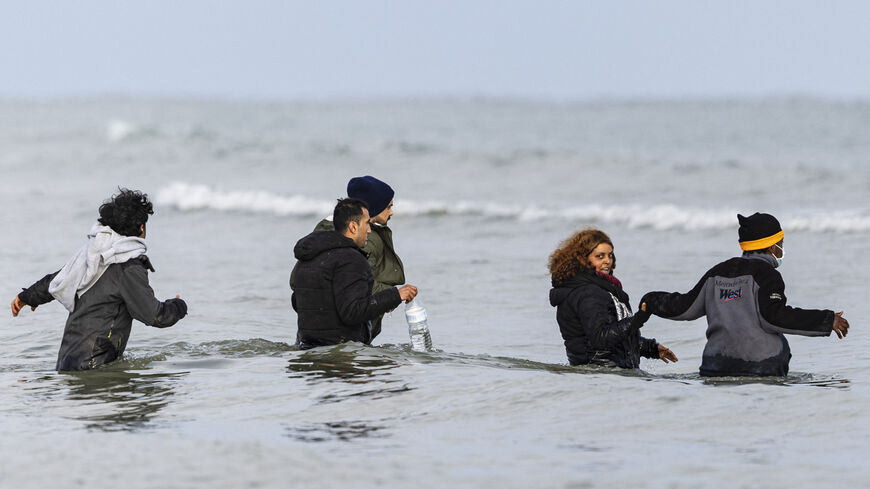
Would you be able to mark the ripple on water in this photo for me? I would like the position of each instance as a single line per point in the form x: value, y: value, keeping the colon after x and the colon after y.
x: 336, y: 431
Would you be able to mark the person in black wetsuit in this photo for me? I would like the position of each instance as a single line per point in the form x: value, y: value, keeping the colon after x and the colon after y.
x: 105, y: 286
x: 592, y: 310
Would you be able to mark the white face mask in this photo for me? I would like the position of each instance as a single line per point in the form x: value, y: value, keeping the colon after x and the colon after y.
x: 781, y: 252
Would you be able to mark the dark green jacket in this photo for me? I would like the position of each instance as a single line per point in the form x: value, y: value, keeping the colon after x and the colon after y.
x: 386, y: 265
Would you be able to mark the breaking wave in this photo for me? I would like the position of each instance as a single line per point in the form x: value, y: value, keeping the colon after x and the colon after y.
x: 119, y: 131
x: 189, y: 197
x: 185, y: 197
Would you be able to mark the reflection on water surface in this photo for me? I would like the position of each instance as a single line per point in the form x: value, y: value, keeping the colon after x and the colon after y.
x: 119, y: 400
x: 347, y: 372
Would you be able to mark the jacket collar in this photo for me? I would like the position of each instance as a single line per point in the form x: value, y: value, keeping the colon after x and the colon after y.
x: 765, y: 257
x: 588, y: 276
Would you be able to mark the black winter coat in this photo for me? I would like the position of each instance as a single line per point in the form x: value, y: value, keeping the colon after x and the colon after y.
x: 97, y: 330
x: 586, y: 310
x: 332, y: 292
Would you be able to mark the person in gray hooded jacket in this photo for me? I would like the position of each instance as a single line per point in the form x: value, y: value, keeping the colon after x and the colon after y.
x: 745, y: 304
x: 105, y: 286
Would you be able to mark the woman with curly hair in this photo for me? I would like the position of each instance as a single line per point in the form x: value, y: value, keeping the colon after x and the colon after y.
x: 592, y: 310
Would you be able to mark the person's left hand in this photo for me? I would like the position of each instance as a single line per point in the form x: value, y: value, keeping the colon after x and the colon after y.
x: 665, y: 354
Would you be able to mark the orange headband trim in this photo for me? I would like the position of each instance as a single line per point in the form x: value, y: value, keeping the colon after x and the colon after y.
x: 760, y: 244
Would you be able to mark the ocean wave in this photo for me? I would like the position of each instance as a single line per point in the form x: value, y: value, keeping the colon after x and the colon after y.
x: 189, y: 197
x: 119, y: 130
x: 186, y: 197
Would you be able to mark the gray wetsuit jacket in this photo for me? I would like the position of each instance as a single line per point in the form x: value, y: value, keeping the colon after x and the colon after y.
x: 97, y: 330
x: 745, y: 304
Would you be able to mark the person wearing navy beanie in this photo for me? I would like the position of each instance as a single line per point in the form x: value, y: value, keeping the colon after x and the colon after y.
x: 386, y: 265
x: 377, y: 194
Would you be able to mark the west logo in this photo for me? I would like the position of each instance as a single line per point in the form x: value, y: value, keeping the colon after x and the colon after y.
x: 730, y: 294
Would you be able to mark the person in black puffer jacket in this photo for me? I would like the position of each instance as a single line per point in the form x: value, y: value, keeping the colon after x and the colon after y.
x: 332, y: 290
x: 592, y: 310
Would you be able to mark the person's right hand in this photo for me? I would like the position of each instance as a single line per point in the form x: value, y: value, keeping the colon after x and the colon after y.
x: 841, y: 326
x: 666, y: 355
x: 18, y: 305
x: 407, y: 293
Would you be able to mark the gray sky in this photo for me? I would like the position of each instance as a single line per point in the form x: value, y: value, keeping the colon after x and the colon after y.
x: 551, y: 49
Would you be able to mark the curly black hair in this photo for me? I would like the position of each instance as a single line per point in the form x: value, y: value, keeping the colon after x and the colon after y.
x: 126, y: 212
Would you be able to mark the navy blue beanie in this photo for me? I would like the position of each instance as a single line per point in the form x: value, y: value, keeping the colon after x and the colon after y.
x: 374, y: 192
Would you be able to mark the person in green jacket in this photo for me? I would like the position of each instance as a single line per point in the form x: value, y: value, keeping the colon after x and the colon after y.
x: 386, y: 265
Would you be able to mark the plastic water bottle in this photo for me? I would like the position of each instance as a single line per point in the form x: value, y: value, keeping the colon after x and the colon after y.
x: 418, y: 327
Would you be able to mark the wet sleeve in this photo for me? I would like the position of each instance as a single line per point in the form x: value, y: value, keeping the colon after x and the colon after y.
x: 353, y: 299
x: 602, y: 329
x: 37, y: 294
x: 677, y: 306
x: 778, y: 317
x: 649, y: 348
x: 141, y: 303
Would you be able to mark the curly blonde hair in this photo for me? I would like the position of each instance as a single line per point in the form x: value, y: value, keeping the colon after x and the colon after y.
x: 572, y: 255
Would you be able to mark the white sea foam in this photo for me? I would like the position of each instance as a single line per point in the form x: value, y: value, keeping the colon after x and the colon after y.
x: 186, y: 197
x: 118, y: 130
x: 189, y: 197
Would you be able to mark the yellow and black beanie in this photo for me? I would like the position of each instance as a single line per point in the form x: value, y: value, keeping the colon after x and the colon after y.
x: 758, y: 231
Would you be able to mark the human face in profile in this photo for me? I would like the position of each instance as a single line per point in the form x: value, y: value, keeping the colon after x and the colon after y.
x: 601, y: 259
x: 361, y: 234
x: 384, y: 216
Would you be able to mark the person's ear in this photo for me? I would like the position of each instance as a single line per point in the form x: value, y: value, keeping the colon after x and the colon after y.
x: 352, y: 227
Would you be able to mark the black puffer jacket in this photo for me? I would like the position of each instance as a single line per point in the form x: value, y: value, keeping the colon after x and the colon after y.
x: 97, y: 330
x: 593, y: 328
x: 332, y: 291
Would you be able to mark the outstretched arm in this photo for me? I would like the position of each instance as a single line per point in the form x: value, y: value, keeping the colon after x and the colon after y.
x: 33, y: 296
x: 650, y: 348
x: 779, y: 317
x: 141, y: 303
x: 677, y: 306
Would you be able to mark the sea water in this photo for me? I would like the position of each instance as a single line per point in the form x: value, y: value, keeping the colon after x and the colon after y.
x: 485, y: 190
